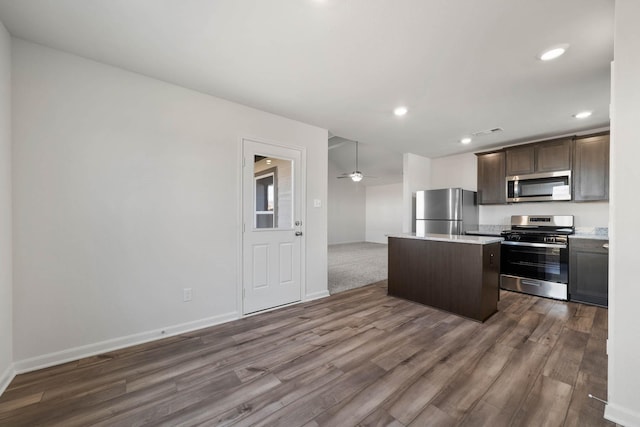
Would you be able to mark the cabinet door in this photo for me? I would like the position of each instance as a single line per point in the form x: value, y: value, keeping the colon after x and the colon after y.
x: 553, y: 156
x: 520, y: 160
x: 591, y: 168
x: 589, y: 271
x: 491, y: 178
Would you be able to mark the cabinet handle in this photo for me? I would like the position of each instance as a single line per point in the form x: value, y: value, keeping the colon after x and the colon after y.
x: 606, y: 246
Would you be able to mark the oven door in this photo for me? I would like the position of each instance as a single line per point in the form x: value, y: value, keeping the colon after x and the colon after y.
x: 542, y: 261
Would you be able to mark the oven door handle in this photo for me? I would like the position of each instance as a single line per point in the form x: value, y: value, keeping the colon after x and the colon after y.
x: 530, y: 283
x: 535, y: 245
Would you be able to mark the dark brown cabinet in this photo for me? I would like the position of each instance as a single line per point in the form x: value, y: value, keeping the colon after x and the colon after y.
x: 520, y: 160
x: 591, y: 168
x: 587, y: 157
x: 554, y: 155
x: 589, y: 271
x: 462, y: 278
x: 545, y: 156
x: 491, y: 178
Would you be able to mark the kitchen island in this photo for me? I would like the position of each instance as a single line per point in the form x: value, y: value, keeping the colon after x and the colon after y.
x: 459, y: 274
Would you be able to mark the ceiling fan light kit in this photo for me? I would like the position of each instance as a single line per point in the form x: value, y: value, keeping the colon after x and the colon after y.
x: 356, y: 175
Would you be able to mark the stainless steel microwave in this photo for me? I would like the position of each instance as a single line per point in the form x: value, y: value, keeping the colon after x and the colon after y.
x: 539, y: 187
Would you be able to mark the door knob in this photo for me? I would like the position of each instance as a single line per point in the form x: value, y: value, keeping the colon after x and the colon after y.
x: 298, y: 233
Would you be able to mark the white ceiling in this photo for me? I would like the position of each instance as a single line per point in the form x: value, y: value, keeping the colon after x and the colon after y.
x: 460, y: 66
x: 379, y: 165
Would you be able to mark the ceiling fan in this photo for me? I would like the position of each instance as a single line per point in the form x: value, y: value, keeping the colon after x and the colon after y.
x: 356, y: 175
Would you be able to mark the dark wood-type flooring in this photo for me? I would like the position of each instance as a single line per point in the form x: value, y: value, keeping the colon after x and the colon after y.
x: 356, y: 358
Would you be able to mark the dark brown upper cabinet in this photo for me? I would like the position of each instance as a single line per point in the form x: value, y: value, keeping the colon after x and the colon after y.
x: 591, y: 168
x: 491, y: 178
x: 545, y: 156
x: 520, y: 160
x: 553, y: 155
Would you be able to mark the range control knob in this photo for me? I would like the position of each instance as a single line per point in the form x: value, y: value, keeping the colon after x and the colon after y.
x: 514, y: 237
x: 549, y: 239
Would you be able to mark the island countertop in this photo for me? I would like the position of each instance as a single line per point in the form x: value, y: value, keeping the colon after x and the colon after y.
x: 478, y: 240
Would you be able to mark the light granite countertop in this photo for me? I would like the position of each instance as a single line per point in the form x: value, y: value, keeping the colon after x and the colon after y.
x: 483, y: 233
x: 597, y: 233
x: 488, y: 230
x: 588, y: 236
x: 478, y: 240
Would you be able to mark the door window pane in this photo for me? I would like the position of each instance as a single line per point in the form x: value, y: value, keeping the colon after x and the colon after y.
x: 273, y: 192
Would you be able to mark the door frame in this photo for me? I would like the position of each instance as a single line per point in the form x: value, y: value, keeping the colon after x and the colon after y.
x: 241, y: 162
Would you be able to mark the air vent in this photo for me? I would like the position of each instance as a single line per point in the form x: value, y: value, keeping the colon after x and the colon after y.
x: 487, y: 132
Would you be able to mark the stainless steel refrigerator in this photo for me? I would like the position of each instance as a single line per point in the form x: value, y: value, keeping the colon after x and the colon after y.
x: 446, y: 211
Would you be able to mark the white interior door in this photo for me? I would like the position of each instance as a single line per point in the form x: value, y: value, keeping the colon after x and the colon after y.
x: 272, y: 236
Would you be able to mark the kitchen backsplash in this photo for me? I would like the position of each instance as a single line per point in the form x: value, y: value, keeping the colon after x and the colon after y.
x: 491, y: 229
x: 580, y: 231
x: 586, y: 215
x: 593, y: 231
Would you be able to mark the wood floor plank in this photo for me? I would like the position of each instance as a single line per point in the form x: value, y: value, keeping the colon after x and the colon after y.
x: 355, y: 358
x: 546, y: 404
x: 408, y: 405
x: 582, y: 321
x: 433, y: 417
x: 502, y: 399
x: 397, y: 380
x: 566, y: 356
x: 470, y: 383
x: 289, y: 391
x: 380, y: 418
x: 318, y: 402
x: 584, y: 411
x: 523, y: 330
x: 11, y: 405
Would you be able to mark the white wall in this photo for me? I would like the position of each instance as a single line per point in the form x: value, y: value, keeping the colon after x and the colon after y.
x: 458, y: 171
x: 6, y: 327
x: 624, y: 288
x: 127, y: 190
x: 383, y: 212
x: 416, y: 175
x: 346, y: 205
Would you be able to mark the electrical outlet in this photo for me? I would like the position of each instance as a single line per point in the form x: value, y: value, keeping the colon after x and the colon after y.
x: 186, y: 294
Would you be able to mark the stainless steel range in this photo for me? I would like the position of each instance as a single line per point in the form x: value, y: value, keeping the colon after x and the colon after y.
x: 535, y: 255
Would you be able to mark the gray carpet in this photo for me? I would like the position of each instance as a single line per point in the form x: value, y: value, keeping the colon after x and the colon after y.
x: 352, y: 265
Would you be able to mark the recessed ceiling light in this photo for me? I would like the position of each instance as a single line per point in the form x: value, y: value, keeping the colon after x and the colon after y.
x: 554, y: 52
x: 268, y: 161
x: 465, y: 140
x: 400, y: 111
x: 582, y: 114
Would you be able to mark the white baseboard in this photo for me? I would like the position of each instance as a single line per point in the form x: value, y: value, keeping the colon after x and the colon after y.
x: 7, y: 376
x: 622, y: 416
x: 348, y: 242
x: 317, y: 295
x: 64, y: 356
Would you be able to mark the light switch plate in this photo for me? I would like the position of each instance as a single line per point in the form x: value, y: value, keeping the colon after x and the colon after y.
x: 317, y: 203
